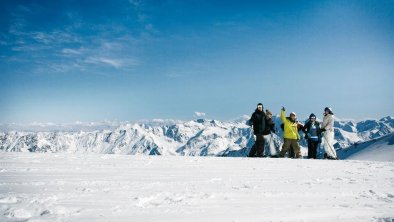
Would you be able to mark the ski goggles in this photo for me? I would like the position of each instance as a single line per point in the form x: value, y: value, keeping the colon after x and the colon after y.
x: 260, y: 106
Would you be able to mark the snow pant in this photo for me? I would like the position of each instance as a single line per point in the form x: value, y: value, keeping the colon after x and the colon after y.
x: 290, y: 143
x: 291, y: 152
x: 258, y: 147
x: 312, y: 149
x: 328, y: 143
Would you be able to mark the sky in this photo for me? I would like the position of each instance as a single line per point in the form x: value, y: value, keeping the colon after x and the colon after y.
x: 66, y: 61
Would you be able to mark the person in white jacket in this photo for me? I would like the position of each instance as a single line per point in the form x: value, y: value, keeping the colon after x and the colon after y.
x: 327, y: 128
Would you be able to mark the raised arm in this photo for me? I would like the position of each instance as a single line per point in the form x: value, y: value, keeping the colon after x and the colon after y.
x: 283, y: 115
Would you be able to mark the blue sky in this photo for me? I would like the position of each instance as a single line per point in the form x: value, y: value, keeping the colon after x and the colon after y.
x: 65, y: 61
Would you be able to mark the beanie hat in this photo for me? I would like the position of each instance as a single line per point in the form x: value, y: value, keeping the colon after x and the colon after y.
x: 267, y: 112
x: 312, y: 115
x: 293, y: 113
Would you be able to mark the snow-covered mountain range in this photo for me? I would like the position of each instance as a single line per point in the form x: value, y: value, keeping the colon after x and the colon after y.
x: 199, y: 137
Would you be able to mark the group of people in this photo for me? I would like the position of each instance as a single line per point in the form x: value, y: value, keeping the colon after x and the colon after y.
x: 314, y: 132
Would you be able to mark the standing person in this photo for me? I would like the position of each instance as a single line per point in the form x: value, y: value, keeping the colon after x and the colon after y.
x: 290, y: 135
x: 291, y: 150
x: 327, y: 128
x: 312, y: 134
x: 269, y: 123
x: 258, y: 121
x: 269, y: 128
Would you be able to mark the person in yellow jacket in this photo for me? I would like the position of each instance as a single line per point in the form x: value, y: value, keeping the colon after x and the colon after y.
x: 290, y: 134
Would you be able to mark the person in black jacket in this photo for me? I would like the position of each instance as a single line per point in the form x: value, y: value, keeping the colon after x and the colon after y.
x: 258, y: 121
x: 269, y: 123
x: 269, y: 128
x: 313, y: 135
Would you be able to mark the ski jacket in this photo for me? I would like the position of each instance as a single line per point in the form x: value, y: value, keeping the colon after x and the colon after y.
x: 290, y: 128
x: 269, y: 126
x: 328, y: 123
x: 309, y: 133
x: 258, y: 121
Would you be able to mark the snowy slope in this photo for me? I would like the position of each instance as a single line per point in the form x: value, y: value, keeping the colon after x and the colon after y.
x: 169, y: 137
x: 381, y: 149
x: 92, y: 187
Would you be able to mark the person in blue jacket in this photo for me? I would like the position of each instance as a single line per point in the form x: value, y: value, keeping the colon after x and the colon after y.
x: 313, y: 135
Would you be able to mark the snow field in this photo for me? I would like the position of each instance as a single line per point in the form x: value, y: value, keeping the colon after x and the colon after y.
x: 72, y: 187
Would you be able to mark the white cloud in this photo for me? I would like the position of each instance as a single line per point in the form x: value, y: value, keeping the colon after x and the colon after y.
x: 199, y: 114
x: 66, y: 50
x: 43, y: 37
x: 114, y: 62
x: 135, y: 3
x: 55, y: 37
x: 106, y: 61
x: 71, y: 51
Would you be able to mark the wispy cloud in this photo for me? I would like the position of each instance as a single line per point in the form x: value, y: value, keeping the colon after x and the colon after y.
x: 54, y: 37
x: 143, y: 17
x: 106, y: 61
x: 135, y: 3
x: 78, y: 45
x: 25, y: 9
x: 114, y: 62
x: 68, y: 51
x: 67, y: 48
x: 36, y: 41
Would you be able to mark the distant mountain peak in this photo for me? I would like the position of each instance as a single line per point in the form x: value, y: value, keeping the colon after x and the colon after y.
x: 171, y: 137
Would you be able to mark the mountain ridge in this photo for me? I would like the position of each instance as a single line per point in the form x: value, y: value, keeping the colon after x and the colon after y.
x: 200, y: 137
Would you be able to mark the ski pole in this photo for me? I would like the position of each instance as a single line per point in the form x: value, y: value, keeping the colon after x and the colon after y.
x: 321, y: 156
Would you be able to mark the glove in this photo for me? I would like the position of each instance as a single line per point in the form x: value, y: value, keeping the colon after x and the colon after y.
x: 322, y: 129
x: 283, y: 108
x: 273, y: 130
x: 306, y: 136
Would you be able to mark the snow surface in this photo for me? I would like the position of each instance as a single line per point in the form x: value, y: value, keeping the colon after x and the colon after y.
x: 102, y: 187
